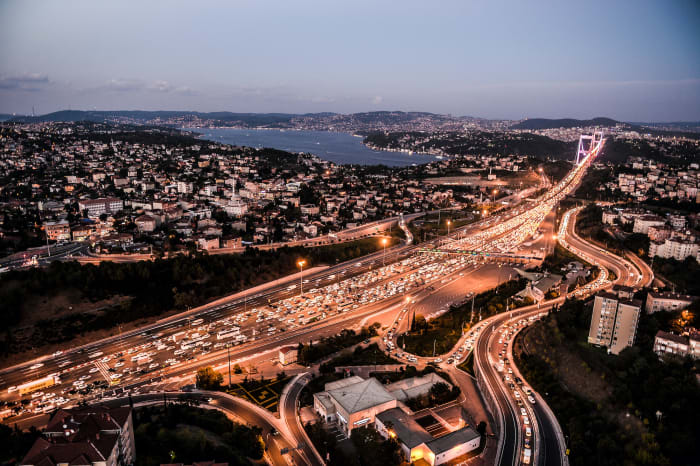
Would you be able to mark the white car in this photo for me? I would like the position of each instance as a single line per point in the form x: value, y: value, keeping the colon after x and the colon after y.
x: 93, y: 370
x: 37, y: 366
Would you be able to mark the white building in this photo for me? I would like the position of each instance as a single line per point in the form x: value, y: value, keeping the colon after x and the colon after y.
x: 664, y: 301
x: 614, y: 322
x: 666, y: 343
x: 642, y: 224
x: 676, y: 248
x: 417, y: 444
x: 353, y: 402
x: 97, y: 207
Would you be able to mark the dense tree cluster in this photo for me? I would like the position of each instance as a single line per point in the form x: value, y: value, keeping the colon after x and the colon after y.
x: 187, y: 434
x: 312, y: 352
x: 654, y: 399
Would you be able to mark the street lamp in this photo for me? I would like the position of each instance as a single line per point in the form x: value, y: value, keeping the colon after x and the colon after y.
x: 449, y: 222
x: 384, y: 241
x: 228, y: 352
x: 301, y: 276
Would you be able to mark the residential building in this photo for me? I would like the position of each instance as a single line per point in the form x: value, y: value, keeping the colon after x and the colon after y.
x: 675, y: 247
x: 667, y: 301
x: 288, y: 355
x: 94, y: 435
x: 145, y: 223
x: 666, y: 343
x: 97, y: 207
x: 58, y: 231
x: 642, y: 224
x: 209, y: 242
x: 614, y: 322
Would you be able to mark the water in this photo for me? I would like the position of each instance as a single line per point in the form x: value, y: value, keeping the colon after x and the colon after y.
x: 340, y: 148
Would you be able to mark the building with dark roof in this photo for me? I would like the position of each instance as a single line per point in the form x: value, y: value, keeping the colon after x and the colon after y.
x: 92, y: 435
x: 666, y: 343
x: 667, y: 301
x: 418, y: 445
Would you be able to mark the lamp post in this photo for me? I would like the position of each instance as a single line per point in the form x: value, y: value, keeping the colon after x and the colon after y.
x: 228, y: 352
x: 384, y: 241
x: 449, y: 222
x: 301, y: 276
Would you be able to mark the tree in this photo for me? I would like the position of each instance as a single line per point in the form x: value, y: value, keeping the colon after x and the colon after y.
x: 209, y: 379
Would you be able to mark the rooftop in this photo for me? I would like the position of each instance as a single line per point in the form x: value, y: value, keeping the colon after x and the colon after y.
x: 361, y: 395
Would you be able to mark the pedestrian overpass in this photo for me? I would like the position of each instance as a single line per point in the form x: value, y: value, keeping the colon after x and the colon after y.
x: 486, y: 255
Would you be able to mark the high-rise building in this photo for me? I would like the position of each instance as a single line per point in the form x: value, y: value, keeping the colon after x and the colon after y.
x: 614, y: 322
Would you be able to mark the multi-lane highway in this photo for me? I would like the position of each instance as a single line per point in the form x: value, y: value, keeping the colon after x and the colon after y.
x: 334, y: 298
x: 257, y: 320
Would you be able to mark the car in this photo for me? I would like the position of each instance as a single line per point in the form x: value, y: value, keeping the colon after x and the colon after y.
x: 528, y: 432
x: 526, y: 420
x: 36, y: 366
x: 523, y: 412
x: 531, y: 399
x: 93, y: 370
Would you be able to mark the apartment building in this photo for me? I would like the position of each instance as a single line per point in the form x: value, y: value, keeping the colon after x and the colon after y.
x: 643, y: 223
x: 58, y: 231
x: 614, y: 322
x: 676, y: 247
x: 97, y: 207
x: 91, y: 436
x: 667, y: 301
x: 666, y: 343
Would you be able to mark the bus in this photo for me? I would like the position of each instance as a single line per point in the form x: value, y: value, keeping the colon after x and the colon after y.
x: 228, y: 333
x: 34, y: 385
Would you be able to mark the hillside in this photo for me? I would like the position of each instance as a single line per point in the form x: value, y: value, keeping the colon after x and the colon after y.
x: 547, y: 123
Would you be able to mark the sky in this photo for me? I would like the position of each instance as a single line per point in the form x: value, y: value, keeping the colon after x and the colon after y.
x: 633, y: 60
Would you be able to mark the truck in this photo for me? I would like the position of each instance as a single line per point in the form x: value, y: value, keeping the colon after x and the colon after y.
x: 527, y: 454
x: 34, y: 385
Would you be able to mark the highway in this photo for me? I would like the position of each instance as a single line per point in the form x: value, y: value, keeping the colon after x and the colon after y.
x: 335, y: 298
x: 490, y: 349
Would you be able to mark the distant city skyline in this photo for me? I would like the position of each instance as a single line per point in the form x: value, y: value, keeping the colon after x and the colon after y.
x: 632, y: 61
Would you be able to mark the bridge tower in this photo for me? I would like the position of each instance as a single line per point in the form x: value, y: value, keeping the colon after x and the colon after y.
x: 587, y: 144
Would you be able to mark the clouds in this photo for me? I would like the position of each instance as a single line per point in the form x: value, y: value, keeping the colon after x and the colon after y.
x: 29, y: 82
x: 139, y: 86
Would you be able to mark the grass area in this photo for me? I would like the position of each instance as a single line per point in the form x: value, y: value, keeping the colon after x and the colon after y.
x: 608, y: 405
x: 443, y: 332
x: 468, y: 364
x: 264, y: 393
